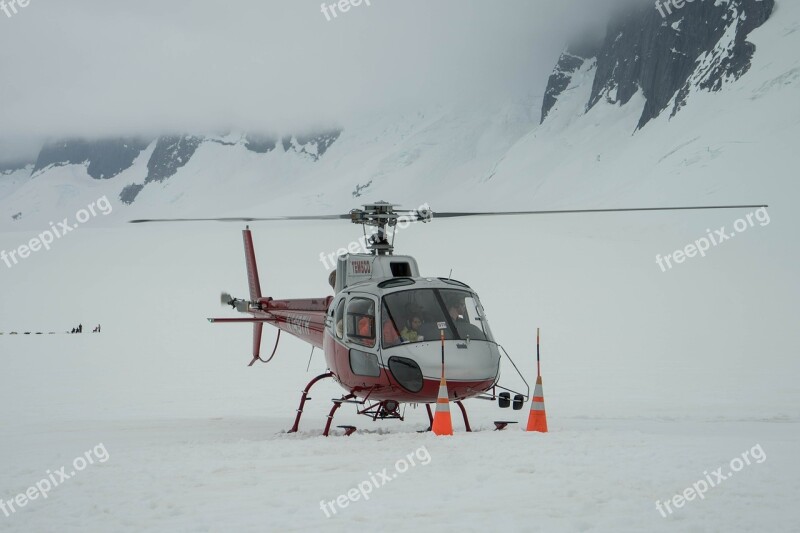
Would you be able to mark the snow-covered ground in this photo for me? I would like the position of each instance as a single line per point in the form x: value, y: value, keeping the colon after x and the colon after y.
x: 651, y: 379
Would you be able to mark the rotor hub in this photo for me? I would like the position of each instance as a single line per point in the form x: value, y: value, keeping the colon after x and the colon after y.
x: 382, y: 215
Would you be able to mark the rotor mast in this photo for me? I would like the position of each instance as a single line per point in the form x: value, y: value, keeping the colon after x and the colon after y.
x: 382, y: 215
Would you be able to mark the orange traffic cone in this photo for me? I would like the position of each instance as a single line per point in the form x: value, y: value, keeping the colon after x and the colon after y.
x: 442, y: 423
x: 537, y: 419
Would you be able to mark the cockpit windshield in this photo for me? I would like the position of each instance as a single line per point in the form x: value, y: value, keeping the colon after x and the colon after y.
x: 419, y: 315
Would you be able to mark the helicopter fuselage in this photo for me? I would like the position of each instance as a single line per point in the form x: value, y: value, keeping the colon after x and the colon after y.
x: 390, y: 338
x: 389, y: 360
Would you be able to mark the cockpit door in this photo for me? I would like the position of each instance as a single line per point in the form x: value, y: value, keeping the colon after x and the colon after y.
x: 361, y: 335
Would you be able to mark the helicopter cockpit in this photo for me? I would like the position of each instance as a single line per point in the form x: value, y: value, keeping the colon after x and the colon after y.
x: 419, y: 314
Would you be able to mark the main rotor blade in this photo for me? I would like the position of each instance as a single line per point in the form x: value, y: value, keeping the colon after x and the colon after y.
x: 242, y: 219
x: 349, y: 216
x: 567, y: 211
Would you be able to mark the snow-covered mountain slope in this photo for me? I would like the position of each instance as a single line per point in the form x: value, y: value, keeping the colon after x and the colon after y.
x: 401, y: 153
x: 733, y: 145
x: 660, y: 108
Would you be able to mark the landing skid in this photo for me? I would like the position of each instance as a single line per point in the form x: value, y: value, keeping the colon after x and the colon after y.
x: 303, y: 399
x: 463, y: 415
x: 386, y: 409
x: 336, y: 405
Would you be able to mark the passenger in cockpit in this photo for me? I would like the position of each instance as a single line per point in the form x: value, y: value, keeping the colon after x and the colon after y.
x: 365, y: 334
x: 457, y: 309
x: 390, y: 335
x: 410, y: 332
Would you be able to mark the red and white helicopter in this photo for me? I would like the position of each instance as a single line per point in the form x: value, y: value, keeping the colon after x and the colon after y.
x: 381, y: 330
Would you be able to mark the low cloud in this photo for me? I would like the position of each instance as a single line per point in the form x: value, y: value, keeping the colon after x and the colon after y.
x: 94, y: 68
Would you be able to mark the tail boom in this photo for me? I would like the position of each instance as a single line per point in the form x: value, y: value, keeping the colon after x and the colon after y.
x: 303, y: 318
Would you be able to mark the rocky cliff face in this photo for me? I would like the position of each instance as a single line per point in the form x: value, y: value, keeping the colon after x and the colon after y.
x: 700, y: 46
x: 106, y: 158
x: 568, y: 64
x: 314, y: 145
x: 261, y: 144
x: 169, y: 155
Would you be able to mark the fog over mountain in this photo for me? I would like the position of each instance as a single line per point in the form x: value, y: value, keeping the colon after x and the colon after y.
x: 94, y: 68
x: 435, y: 111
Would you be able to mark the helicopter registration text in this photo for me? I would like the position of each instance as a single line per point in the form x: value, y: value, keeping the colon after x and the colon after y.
x: 362, y: 267
x: 298, y: 324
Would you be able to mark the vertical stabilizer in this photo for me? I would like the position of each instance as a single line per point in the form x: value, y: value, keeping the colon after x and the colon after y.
x: 252, y: 269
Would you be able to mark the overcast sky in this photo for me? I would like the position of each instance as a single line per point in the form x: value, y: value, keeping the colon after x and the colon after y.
x: 110, y: 67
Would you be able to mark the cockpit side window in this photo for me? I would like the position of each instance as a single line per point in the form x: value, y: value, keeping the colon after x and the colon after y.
x: 361, y: 321
x: 338, y: 320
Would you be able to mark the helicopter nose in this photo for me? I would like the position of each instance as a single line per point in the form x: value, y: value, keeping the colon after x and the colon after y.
x: 463, y: 360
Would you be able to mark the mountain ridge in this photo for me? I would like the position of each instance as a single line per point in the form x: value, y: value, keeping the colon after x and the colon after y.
x: 702, y: 45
